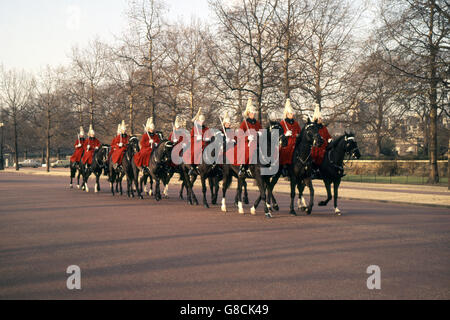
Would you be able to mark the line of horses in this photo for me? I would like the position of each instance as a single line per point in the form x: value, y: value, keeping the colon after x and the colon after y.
x: 161, y: 169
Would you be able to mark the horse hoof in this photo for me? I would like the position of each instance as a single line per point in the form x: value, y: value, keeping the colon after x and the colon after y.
x: 322, y: 203
x: 276, y: 207
x: 240, y: 208
x: 268, y: 215
x: 78, y: 186
x: 292, y: 212
x: 337, y: 211
x: 141, y: 197
x: 253, y: 210
x: 308, y: 211
x: 223, y: 208
x: 303, y: 208
x: 246, y: 201
x: 206, y: 205
x: 71, y: 186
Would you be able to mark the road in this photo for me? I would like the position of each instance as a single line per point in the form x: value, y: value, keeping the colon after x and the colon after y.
x: 143, y: 249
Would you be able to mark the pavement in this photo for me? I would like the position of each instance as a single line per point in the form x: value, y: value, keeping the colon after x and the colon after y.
x: 144, y: 249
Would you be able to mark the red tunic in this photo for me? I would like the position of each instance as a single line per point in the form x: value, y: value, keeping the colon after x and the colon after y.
x: 287, y: 152
x: 142, y: 158
x: 91, y: 145
x: 249, y: 150
x: 317, y: 153
x: 196, y: 157
x: 114, y: 143
x: 78, y: 153
x: 118, y: 152
x: 180, y: 140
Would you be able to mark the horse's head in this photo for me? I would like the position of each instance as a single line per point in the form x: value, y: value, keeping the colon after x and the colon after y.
x: 311, y: 133
x: 104, y: 153
x: 133, y: 144
x: 164, y: 151
x: 274, y: 126
x: 351, y: 146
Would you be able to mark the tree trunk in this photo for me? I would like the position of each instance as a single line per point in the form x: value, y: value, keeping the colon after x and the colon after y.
x: 378, y: 145
x: 16, y: 151
x: 448, y: 165
x: 47, y: 162
x: 433, y: 82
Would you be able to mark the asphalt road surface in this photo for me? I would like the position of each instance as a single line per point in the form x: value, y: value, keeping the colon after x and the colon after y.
x: 143, y: 249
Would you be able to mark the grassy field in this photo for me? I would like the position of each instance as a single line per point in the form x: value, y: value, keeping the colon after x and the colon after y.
x: 392, y: 179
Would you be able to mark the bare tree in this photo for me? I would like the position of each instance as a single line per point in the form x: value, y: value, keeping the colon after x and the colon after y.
x: 418, y: 30
x: 15, y: 94
x: 91, y: 70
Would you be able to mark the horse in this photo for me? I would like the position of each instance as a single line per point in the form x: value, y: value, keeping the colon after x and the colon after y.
x: 332, y: 167
x: 158, y: 167
x: 116, y: 175
x: 74, y: 167
x: 300, y: 170
x: 262, y: 181
x: 99, y: 165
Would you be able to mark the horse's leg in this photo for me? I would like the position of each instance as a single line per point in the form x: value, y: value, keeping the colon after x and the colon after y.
x: 86, y: 175
x: 211, y: 182
x: 336, y: 184
x: 239, y: 194
x: 225, y: 184
x: 194, y: 198
x: 271, y: 186
x: 78, y: 178
x: 157, y: 190
x: 301, y: 202
x: 72, y: 175
x: 97, y: 181
x: 308, y: 182
x: 245, y: 193
x: 293, y: 186
x: 120, y: 183
x: 262, y: 192
x: 112, y: 178
x: 205, y: 202
x: 328, y: 187
x: 181, y: 189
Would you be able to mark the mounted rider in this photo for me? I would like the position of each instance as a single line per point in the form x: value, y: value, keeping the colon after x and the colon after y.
x: 150, y: 140
x: 92, y: 145
x: 318, y: 153
x: 253, y: 126
x: 120, y: 146
x: 198, y: 133
x: 229, y: 139
x: 114, y: 141
x: 291, y: 130
x: 177, y: 138
x: 80, y: 147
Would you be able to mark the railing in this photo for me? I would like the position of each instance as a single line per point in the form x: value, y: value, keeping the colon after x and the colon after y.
x: 406, y: 179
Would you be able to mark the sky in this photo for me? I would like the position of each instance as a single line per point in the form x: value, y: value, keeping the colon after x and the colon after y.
x: 36, y: 33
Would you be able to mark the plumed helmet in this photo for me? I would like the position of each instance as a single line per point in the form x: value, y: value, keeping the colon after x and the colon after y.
x: 179, y: 122
x: 199, y: 117
x: 227, y: 118
x: 91, y: 132
x: 288, y: 108
x: 123, y: 127
x: 81, y: 132
x: 250, y: 107
x: 150, y: 125
x: 317, y: 115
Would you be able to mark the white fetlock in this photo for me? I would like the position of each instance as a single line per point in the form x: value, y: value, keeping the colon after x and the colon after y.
x: 96, y: 188
x: 166, y: 191
x: 304, y: 202
x: 86, y: 188
x: 268, y: 205
x: 299, y: 203
x: 337, y: 211
x: 150, y: 192
x: 224, y: 206
x: 71, y: 186
x: 253, y: 210
x: 78, y: 186
x: 241, y: 209
x: 145, y: 189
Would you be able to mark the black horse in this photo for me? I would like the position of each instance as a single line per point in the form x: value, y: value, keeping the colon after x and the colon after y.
x: 116, y: 175
x: 300, y: 170
x: 99, y: 165
x: 158, y: 168
x: 332, y: 167
x: 262, y: 181
x: 74, y: 168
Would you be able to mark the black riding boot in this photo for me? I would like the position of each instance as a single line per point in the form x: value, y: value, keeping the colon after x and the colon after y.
x: 242, y: 168
x: 284, y: 170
